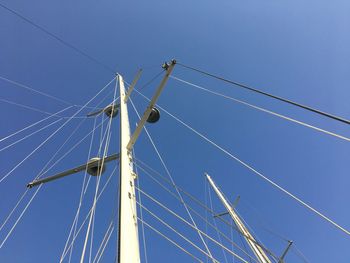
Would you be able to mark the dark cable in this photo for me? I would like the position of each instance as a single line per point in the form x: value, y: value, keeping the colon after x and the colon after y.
x: 151, y: 80
x: 269, y: 95
x: 58, y: 39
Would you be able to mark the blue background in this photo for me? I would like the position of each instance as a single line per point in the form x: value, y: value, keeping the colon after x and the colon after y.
x: 294, y: 49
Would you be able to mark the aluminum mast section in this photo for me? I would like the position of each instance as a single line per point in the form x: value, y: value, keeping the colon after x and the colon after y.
x: 258, y: 251
x: 128, y: 243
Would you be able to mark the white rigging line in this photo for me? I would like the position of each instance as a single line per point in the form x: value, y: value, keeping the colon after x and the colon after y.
x: 104, y: 242
x: 32, y: 125
x: 94, y: 201
x: 19, y: 218
x: 299, y: 254
x: 40, y: 173
x: 35, y: 91
x: 93, y: 219
x: 264, y: 110
x: 189, y: 224
x: 173, y: 182
x: 87, y: 216
x: 99, y: 178
x: 39, y: 110
x: 141, y: 214
x: 231, y: 236
x: 13, y: 210
x: 29, y: 135
x: 75, y: 221
x: 170, y: 240
x: 41, y: 93
x: 216, y: 226
x: 205, y: 207
x: 64, y: 124
x: 28, y: 107
x: 179, y: 234
x: 206, y: 214
x: 71, y: 149
x: 94, y: 214
x: 110, y: 226
x: 253, y: 170
x: 205, y: 219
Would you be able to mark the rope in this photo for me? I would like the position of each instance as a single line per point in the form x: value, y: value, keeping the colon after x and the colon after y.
x: 178, y: 233
x: 82, y: 193
x: 170, y: 240
x: 172, y: 180
x: 207, y: 222
x: 34, y: 90
x: 19, y: 218
x: 65, y: 43
x: 190, y: 225
x: 31, y: 125
x: 328, y: 115
x: 255, y: 171
x: 13, y: 210
x: 98, y: 183
x: 87, y: 216
x: 141, y: 214
x: 29, y: 135
x: 105, y: 237
x: 64, y: 124
x: 104, y: 247
x: 264, y: 110
x: 216, y: 227
x: 24, y: 194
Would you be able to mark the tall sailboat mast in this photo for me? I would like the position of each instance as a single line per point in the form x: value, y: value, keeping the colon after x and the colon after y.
x: 128, y: 244
x: 257, y: 250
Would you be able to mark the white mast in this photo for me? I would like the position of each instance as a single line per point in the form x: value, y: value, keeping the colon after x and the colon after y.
x: 128, y: 243
x: 258, y: 251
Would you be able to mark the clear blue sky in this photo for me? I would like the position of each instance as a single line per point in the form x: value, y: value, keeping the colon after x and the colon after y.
x: 294, y: 49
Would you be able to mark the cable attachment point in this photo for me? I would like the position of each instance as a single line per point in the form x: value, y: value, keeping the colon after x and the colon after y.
x: 166, y: 65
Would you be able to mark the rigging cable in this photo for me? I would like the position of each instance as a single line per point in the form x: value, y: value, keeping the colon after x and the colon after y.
x: 29, y: 126
x: 65, y: 43
x: 262, y: 109
x: 42, y: 170
x: 178, y: 233
x: 104, y: 246
x: 20, y: 216
x: 170, y: 240
x: 141, y: 213
x: 64, y: 124
x: 190, y: 225
x: 92, y: 215
x: 29, y: 135
x: 29, y: 107
x: 172, y: 180
x: 82, y: 193
x: 35, y: 91
x: 216, y: 226
x: 328, y: 115
x: 87, y: 216
x: 207, y: 209
x: 282, y: 189
x: 39, y: 174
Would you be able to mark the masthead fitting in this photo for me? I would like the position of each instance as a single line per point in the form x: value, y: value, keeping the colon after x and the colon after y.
x: 94, y: 166
x: 166, y: 65
x: 153, y: 116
